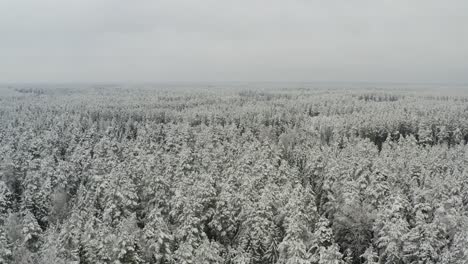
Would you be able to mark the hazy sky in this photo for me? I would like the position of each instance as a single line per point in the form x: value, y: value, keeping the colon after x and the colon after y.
x: 238, y: 40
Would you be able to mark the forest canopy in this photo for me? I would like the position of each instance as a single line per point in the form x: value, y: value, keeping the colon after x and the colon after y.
x: 107, y: 174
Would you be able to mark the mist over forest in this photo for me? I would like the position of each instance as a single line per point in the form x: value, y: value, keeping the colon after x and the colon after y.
x: 233, y: 173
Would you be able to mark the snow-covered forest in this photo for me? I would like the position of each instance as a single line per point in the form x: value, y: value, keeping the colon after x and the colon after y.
x: 106, y: 174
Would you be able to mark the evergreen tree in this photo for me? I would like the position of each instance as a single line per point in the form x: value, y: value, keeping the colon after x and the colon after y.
x: 298, y: 222
x: 390, y: 228
x: 370, y: 256
x: 5, y: 247
x: 157, y: 238
x: 31, y: 232
x: 324, y: 249
x: 6, y: 202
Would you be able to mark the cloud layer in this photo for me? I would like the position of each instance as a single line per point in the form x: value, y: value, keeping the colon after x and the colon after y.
x: 209, y: 40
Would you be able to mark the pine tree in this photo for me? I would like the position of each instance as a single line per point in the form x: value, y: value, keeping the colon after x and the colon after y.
x: 457, y: 252
x: 50, y: 250
x: 120, y: 197
x: 31, y: 232
x: 157, y: 238
x: 425, y: 240
x: 425, y: 133
x: 324, y: 249
x: 390, y: 228
x: 259, y: 235
x: 6, y: 202
x: 124, y: 242
x: 298, y: 222
x: 208, y: 253
x: 5, y: 247
x: 70, y: 236
x: 370, y: 256
x: 96, y: 243
x: 36, y: 196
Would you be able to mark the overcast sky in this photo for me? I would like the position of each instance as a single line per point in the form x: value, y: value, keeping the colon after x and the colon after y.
x: 238, y: 40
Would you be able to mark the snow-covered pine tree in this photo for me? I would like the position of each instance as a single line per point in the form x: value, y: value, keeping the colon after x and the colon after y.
x: 157, y: 238
x: 324, y: 247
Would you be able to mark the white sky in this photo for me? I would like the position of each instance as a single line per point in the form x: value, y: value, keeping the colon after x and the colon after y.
x: 240, y: 40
